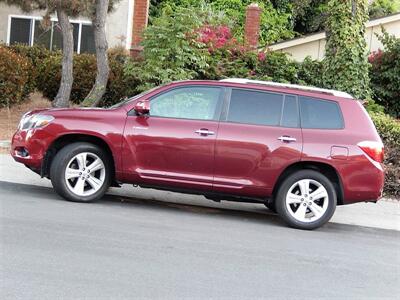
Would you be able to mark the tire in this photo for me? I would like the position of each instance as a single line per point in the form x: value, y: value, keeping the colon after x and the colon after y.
x: 270, y: 205
x: 315, y: 208
x: 74, y: 161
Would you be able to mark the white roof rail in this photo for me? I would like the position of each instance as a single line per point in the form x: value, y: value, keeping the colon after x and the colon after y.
x: 287, y: 85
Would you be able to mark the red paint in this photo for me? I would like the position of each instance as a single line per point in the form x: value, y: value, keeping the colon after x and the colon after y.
x: 239, y: 159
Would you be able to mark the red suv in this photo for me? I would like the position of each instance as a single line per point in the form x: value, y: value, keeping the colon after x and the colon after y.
x: 299, y: 150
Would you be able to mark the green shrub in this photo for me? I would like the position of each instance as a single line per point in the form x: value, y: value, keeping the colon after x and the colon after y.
x: 277, y: 66
x: 392, y: 171
x: 310, y: 72
x: 36, y: 54
x: 49, y: 76
x: 276, y: 22
x: 381, y: 8
x: 188, y: 43
x: 389, y: 130
x: 119, y: 85
x: 14, y: 77
x: 385, y: 75
x: 171, y: 51
x: 84, y: 73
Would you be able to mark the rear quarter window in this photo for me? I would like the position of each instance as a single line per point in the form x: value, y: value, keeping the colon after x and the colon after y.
x: 320, y: 114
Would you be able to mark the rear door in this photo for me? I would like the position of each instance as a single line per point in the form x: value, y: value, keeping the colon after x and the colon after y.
x: 258, y: 137
x: 175, y: 144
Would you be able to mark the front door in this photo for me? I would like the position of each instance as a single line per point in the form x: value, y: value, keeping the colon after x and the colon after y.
x: 174, y: 146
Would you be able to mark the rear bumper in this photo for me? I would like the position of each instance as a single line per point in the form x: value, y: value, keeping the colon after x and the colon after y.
x: 363, y: 183
x: 29, y: 147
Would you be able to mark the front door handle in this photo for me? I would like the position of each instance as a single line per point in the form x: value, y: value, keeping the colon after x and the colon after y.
x: 287, y: 139
x: 204, y: 132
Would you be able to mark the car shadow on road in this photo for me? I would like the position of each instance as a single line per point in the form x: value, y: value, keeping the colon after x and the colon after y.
x: 255, y: 215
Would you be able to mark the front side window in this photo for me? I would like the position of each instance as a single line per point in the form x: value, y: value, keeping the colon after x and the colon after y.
x: 255, y: 107
x: 200, y: 103
x: 320, y: 114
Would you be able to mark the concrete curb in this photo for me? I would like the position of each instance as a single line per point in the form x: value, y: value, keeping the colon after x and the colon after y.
x: 5, y: 144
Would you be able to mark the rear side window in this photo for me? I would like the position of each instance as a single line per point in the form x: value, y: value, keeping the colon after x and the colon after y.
x: 320, y: 114
x: 254, y: 107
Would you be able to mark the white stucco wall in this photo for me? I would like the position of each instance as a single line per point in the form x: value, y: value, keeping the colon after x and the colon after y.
x: 119, y: 27
x: 314, y: 45
x: 116, y: 27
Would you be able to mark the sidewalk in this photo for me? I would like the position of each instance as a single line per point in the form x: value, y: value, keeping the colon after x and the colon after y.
x: 385, y: 214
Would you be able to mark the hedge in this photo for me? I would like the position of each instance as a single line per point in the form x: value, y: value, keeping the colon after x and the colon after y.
x: 389, y: 130
x: 84, y: 73
x: 15, y: 78
x: 385, y: 75
x: 36, y: 55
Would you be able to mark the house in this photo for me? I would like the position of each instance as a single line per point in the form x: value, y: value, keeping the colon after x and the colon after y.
x: 123, y: 27
x: 313, y: 45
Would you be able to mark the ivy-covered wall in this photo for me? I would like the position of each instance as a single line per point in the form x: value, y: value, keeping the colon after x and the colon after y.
x: 345, y: 63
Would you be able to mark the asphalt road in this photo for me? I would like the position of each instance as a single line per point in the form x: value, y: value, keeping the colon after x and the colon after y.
x: 122, y: 248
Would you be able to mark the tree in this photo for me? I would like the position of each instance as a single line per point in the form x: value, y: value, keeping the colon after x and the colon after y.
x: 64, y: 92
x: 98, y: 12
x: 345, y: 64
x: 64, y: 9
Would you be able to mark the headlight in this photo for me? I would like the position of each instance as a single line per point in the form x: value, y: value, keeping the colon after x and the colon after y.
x: 34, y: 121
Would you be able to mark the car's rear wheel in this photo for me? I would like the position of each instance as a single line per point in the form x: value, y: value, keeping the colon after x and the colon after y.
x: 306, y: 199
x: 81, y: 172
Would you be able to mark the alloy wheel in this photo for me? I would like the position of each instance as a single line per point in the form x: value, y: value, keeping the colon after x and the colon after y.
x: 307, y: 200
x: 85, y: 174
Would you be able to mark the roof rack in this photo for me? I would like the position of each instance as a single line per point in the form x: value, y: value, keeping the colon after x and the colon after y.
x: 287, y: 85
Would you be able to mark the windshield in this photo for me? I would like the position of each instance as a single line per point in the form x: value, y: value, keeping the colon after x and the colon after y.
x: 126, y: 100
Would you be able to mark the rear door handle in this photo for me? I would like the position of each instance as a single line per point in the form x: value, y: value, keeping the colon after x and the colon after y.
x: 204, y: 132
x: 288, y: 139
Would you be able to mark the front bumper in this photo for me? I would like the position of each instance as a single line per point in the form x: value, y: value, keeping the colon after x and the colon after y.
x: 29, y: 146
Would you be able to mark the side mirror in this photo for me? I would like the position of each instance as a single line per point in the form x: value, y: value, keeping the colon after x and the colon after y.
x: 142, y: 107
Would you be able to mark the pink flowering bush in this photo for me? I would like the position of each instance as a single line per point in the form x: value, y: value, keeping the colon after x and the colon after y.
x: 186, y: 43
x: 218, y: 37
x: 375, y: 56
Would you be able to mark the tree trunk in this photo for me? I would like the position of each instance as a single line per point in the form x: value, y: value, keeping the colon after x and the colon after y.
x: 64, y: 92
x: 103, y: 69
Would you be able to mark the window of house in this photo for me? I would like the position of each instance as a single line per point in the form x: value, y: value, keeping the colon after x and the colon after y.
x: 199, y: 103
x: 255, y: 107
x: 87, y: 43
x: 321, y: 114
x: 20, y: 31
x: 28, y: 30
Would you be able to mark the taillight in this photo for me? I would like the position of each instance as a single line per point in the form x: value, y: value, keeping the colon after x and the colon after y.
x: 373, y: 150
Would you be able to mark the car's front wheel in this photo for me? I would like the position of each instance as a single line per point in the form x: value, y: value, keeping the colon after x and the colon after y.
x: 81, y: 172
x: 306, y: 199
